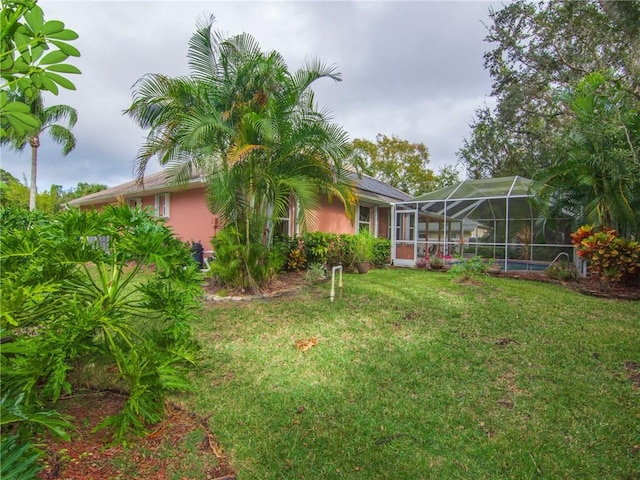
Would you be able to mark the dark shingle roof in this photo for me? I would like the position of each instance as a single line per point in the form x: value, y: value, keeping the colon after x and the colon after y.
x: 372, y: 187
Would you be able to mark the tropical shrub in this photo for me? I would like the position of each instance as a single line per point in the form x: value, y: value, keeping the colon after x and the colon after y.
x: 315, y: 273
x: 362, y: 244
x: 468, y: 268
x: 13, y: 217
x: 295, y: 252
x: 330, y: 249
x: 611, y: 258
x: 562, y: 271
x: 333, y: 249
x: 381, y: 251
x: 342, y: 251
x: 525, y: 239
x: 71, y: 308
x: 241, y: 265
x: 583, y: 232
x: 317, y: 246
x: 19, y: 455
x: 423, y: 262
x: 437, y: 260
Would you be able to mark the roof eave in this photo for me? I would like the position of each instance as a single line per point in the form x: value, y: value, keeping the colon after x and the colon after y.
x: 133, y: 193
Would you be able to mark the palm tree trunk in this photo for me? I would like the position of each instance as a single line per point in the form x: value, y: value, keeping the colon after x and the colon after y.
x: 33, y: 189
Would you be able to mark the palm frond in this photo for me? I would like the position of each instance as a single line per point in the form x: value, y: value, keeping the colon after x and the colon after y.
x: 56, y: 113
x: 237, y: 153
x: 202, y: 54
x: 313, y: 70
x: 63, y: 136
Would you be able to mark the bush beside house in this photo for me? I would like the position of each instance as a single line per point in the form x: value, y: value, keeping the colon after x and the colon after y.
x: 331, y: 249
x: 74, y: 312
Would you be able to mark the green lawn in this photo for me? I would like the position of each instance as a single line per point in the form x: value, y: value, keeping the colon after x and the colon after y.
x: 416, y: 376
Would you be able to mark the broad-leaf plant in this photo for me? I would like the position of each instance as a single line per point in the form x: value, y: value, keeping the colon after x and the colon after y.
x: 33, y: 58
x: 94, y: 295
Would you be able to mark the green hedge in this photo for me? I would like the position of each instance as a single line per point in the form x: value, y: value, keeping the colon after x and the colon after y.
x: 329, y: 249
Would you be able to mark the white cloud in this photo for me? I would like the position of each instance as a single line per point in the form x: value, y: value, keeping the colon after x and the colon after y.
x: 413, y: 69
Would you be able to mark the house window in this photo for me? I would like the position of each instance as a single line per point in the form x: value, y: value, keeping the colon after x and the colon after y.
x: 364, y: 219
x: 135, y: 202
x: 162, y: 205
x: 282, y: 225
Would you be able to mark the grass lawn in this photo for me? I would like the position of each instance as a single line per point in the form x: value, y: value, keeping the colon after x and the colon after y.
x: 416, y: 376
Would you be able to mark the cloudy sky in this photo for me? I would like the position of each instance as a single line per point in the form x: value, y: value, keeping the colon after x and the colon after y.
x: 411, y: 69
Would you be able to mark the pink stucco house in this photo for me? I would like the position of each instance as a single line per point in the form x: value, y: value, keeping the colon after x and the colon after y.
x: 185, y: 209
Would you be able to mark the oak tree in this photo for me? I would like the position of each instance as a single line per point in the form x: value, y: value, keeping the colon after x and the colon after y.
x: 401, y: 164
x: 538, y: 51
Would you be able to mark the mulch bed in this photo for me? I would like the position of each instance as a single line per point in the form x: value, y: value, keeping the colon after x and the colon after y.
x: 284, y: 283
x: 584, y: 286
x: 90, y: 455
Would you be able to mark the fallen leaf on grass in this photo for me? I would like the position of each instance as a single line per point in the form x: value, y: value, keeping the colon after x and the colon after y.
x: 304, y: 345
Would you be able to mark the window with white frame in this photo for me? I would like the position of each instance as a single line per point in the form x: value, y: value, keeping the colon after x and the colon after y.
x: 364, y: 219
x: 162, y: 205
x: 282, y: 225
x: 135, y: 202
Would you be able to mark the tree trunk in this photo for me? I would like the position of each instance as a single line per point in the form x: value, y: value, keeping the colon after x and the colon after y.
x: 33, y: 189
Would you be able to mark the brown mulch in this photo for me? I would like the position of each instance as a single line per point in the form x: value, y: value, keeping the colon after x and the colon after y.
x: 158, y: 455
x: 584, y: 286
x: 285, y: 282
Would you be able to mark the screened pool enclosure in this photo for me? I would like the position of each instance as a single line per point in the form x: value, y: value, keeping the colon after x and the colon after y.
x: 493, y: 218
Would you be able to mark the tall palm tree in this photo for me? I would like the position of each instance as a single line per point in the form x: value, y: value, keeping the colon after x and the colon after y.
x: 250, y: 125
x: 49, y: 118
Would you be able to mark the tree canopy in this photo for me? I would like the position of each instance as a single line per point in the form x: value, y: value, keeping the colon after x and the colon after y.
x: 14, y: 193
x: 566, y: 79
x: 49, y: 119
x: 401, y: 164
x: 598, y: 178
x: 538, y: 51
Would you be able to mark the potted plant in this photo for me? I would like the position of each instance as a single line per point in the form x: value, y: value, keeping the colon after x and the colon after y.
x: 436, y: 261
x: 363, y: 251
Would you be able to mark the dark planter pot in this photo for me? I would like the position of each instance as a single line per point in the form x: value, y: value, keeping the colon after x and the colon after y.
x: 363, y: 267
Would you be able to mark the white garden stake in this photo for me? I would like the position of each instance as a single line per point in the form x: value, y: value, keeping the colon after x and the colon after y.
x: 333, y: 281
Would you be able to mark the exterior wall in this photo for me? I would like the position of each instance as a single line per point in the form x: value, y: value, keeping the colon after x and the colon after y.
x: 191, y: 221
x: 97, y: 206
x: 332, y: 218
x: 189, y: 216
